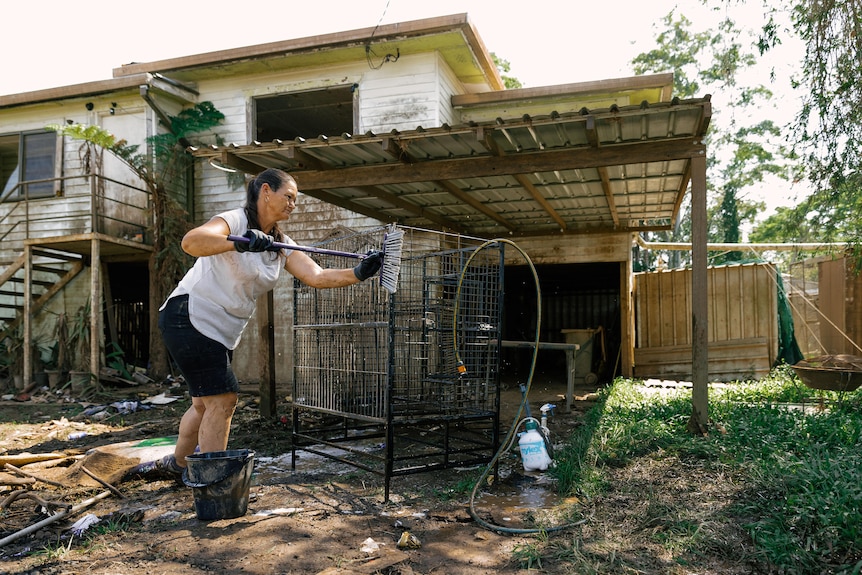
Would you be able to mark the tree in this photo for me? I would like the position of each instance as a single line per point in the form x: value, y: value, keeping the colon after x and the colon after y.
x: 826, y: 216
x: 744, y: 151
x: 503, y: 66
x: 828, y: 127
x: 829, y: 123
x: 165, y: 173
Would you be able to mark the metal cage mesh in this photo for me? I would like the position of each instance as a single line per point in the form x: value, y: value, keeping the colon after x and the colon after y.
x: 386, y: 364
x: 360, y: 351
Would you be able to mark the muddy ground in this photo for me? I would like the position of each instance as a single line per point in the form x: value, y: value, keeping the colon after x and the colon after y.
x: 324, y: 517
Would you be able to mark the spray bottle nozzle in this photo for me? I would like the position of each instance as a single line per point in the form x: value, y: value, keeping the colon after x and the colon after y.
x: 547, y: 408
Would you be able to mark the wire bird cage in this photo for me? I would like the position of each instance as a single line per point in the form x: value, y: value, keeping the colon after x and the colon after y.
x: 376, y: 375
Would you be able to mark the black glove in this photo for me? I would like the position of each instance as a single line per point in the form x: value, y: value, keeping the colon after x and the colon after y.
x: 369, y: 265
x: 258, y: 242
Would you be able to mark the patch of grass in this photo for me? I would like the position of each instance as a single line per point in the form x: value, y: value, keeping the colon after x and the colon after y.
x: 572, y: 552
x: 528, y: 555
x: 57, y: 552
x: 799, y: 471
x: 122, y: 522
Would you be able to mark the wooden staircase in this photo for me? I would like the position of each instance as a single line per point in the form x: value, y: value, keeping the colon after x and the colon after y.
x: 52, y: 270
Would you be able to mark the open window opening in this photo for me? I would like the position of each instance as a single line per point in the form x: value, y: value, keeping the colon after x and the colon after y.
x: 307, y: 114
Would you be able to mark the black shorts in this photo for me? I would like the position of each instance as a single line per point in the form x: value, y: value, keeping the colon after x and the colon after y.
x: 204, y: 362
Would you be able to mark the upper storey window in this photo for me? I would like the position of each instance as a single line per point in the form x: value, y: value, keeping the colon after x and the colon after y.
x: 28, y: 165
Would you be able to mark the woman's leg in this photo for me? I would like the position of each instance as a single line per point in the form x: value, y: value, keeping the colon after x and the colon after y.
x: 215, y: 421
x: 190, y: 424
x: 205, y: 365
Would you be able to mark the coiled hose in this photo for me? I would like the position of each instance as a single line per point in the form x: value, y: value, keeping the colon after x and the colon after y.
x: 510, y: 436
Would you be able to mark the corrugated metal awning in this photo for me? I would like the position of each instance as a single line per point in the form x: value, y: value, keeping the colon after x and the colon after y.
x: 597, y: 170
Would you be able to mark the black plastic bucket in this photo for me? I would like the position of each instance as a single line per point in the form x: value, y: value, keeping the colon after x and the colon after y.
x: 220, y: 481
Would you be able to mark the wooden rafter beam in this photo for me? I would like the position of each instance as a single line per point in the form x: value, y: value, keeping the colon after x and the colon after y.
x: 351, y: 205
x: 375, y: 191
x: 492, y: 147
x: 241, y: 163
x: 400, y: 152
x: 606, y: 187
x: 592, y: 133
x: 475, y: 204
x: 542, y: 201
x: 521, y: 163
x: 303, y: 160
x: 360, y: 208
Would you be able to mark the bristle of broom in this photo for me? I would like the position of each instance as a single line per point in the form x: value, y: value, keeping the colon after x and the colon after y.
x: 393, y: 241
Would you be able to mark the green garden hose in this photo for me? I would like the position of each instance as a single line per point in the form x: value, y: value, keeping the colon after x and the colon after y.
x: 510, y: 436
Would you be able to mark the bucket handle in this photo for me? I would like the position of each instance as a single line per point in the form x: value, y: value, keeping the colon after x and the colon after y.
x: 231, y: 471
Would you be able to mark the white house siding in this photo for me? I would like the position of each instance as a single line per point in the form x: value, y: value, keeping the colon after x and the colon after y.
x: 448, y: 86
x: 31, y: 119
x: 400, y: 95
x: 124, y: 201
x: 70, y: 213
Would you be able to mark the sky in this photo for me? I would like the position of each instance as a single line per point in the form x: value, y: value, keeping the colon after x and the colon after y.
x: 546, y: 42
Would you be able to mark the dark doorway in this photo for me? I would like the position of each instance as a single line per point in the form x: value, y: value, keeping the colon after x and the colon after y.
x: 581, y: 297
x: 127, y: 316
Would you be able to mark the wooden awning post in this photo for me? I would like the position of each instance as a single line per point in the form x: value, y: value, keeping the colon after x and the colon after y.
x: 699, y: 302
x: 28, y: 325
x: 266, y: 353
x: 95, y: 307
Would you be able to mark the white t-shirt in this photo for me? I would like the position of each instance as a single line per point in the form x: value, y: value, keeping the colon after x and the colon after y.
x: 223, y: 288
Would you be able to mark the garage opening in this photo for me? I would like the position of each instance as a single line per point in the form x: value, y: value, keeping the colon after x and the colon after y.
x: 580, y: 304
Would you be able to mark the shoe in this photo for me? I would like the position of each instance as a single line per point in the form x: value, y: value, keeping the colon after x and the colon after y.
x: 169, y: 463
x: 164, y: 468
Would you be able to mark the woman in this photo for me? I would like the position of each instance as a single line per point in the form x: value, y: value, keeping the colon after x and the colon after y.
x: 204, y: 317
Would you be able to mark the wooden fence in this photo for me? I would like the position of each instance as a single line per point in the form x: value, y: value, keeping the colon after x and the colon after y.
x: 742, y: 329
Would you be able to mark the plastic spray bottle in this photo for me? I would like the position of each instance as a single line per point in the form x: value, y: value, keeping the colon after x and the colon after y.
x: 534, y: 455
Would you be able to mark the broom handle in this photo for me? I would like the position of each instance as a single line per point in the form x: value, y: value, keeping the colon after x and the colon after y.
x: 322, y: 251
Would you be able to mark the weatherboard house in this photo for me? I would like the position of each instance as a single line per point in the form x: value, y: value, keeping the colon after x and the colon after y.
x: 407, y: 123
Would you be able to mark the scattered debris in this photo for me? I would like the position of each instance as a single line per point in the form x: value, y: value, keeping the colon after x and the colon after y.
x: 53, y: 518
x: 408, y: 541
x: 26, y: 493
x: 78, y: 527
x: 28, y: 475
x: 25, y: 458
x: 168, y: 516
x: 104, y: 483
x: 370, y: 546
x: 161, y: 399
x: 280, y: 511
